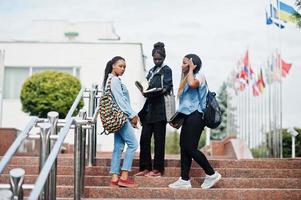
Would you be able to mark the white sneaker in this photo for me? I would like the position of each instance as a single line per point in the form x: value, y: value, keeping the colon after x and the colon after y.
x: 211, y: 180
x: 180, y: 184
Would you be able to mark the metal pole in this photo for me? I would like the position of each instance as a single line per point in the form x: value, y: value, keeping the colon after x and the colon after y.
x: 293, y: 147
x: 83, y: 115
x: 53, y: 119
x: 90, y: 132
x: 44, y: 152
x: 77, y: 158
x: 16, y: 181
x: 6, y: 195
x: 94, y: 127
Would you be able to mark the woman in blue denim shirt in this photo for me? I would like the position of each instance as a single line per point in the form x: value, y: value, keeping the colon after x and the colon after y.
x: 125, y: 135
x: 192, y: 102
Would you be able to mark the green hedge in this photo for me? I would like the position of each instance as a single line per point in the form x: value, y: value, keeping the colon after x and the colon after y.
x: 50, y: 91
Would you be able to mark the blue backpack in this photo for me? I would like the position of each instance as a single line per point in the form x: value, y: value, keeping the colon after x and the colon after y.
x: 213, y: 113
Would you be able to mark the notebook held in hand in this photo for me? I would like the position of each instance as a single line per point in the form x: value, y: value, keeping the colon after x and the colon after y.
x: 177, y: 120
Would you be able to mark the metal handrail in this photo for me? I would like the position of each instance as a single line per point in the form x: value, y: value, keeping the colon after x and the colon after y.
x: 42, y: 178
x: 16, y: 144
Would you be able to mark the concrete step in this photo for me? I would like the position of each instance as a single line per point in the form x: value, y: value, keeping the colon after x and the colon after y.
x: 175, y: 171
x: 109, y: 193
x: 281, y: 183
x: 174, y: 162
x: 194, y: 193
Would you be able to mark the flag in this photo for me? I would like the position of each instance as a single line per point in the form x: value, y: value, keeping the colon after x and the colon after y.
x: 255, y: 89
x: 275, y: 68
x: 260, y: 81
x: 285, y: 67
x: 268, y: 73
x: 272, y: 17
x: 287, y: 12
x: 246, y: 58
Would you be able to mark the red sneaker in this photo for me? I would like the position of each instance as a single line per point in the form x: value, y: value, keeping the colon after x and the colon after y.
x: 114, y: 183
x: 154, y: 173
x: 127, y: 183
x: 142, y: 173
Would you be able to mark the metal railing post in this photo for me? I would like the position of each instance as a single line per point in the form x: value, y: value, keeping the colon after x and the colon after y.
x: 44, y: 152
x: 53, y: 119
x: 94, y: 131
x: 6, y: 195
x: 78, y: 175
x: 83, y: 115
x: 16, y: 181
x: 91, y: 136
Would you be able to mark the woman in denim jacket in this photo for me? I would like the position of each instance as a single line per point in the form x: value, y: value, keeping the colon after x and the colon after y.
x: 192, y: 102
x: 125, y: 135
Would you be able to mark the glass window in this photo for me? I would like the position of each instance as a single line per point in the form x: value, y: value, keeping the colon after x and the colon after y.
x: 13, y: 81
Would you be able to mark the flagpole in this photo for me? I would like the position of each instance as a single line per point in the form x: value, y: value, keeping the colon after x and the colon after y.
x: 270, y: 120
x: 280, y: 95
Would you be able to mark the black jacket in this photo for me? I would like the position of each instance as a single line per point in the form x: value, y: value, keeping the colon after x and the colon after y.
x: 154, y: 107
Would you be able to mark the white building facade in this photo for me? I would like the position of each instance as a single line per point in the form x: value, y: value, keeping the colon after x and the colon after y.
x: 83, y: 59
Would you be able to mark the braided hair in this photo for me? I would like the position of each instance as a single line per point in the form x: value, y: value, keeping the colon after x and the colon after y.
x: 109, y: 68
x: 159, y: 48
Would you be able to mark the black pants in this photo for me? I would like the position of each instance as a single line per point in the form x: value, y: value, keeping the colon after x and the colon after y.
x: 190, y: 135
x: 159, y: 130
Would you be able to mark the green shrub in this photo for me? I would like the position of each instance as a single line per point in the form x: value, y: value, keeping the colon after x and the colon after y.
x: 50, y: 91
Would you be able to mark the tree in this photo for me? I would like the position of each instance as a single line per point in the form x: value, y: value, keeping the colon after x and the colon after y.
x: 221, y: 131
x: 50, y: 91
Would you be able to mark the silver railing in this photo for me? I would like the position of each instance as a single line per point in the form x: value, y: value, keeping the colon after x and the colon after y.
x: 82, y: 123
x: 50, y: 144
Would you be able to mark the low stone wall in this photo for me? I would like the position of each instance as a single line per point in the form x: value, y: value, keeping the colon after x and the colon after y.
x: 7, y: 137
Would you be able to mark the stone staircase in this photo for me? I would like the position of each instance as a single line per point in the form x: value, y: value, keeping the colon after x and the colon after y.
x: 241, y: 179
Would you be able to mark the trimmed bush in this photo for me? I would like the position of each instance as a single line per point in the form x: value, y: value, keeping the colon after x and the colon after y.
x: 50, y: 91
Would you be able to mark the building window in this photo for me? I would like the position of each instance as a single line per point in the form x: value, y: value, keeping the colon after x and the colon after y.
x: 13, y: 81
x: 14, y: 78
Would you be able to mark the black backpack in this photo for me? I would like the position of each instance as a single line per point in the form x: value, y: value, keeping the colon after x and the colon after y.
x: 213, y: 113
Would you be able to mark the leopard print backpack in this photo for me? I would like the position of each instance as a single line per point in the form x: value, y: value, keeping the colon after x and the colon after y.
x: 111, y: 116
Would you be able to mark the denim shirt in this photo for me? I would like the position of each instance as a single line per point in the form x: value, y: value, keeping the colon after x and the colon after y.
x: 193, y: 99
x: 121, y: 96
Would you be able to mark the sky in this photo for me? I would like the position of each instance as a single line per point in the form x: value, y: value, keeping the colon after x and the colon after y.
x: 219, y: 32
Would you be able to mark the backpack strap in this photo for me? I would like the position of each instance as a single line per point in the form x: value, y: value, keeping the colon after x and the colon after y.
x: 108, y: 87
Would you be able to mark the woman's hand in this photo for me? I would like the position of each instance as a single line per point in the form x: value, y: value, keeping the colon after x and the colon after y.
x: 191, y: 80
x: 191, y: 65
x: 134, y: 121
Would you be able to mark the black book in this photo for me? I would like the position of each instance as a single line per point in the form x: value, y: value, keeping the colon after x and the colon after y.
x: 177, y: 120
x: 141, y: 88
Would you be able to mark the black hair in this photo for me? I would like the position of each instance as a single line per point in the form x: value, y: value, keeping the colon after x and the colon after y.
x: 159, y: 48
x: 196, y: 61
x: 109, y: 68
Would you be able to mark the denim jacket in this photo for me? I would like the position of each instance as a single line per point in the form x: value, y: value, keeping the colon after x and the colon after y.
x: 121, y: 96
x: 192, y: 99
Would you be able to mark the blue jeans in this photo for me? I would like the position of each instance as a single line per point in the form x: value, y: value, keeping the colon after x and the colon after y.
x: 124, y: 136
